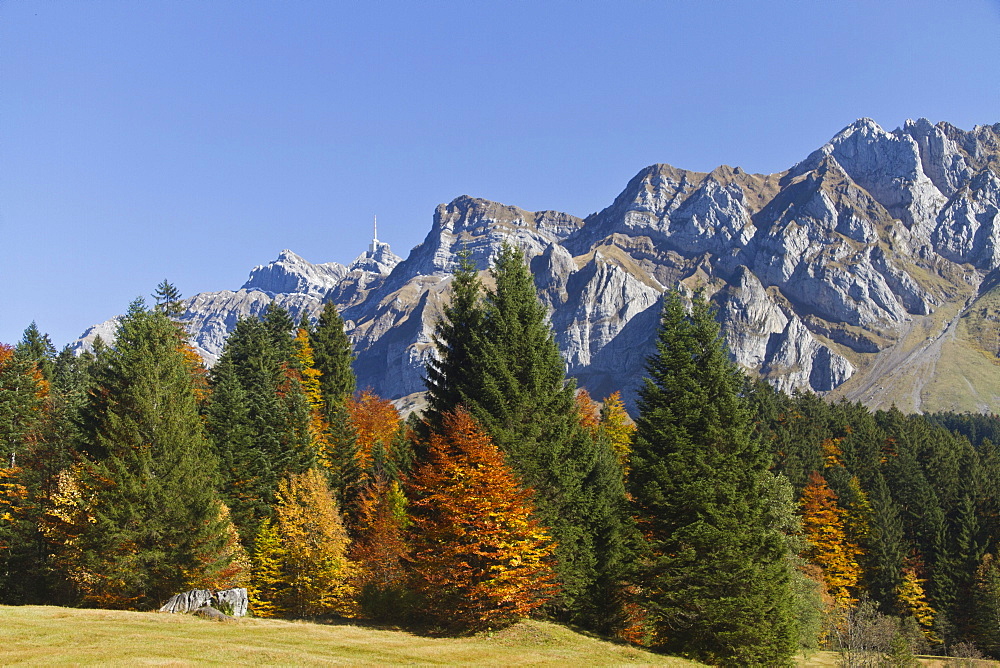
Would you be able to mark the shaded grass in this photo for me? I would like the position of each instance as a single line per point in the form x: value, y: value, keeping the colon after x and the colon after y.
x: 52, y: 635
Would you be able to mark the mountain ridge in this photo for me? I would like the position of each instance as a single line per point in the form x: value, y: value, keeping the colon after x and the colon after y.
x: 851, y: 272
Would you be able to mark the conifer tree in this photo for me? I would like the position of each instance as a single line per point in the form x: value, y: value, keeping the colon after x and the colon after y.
x: 497, y: 357
x: 260, y: 422
x: 23, y: 390
x: 155, y: 515
x: 333, y: 355
x: 715, y: 571
x: 886, y: 549
x: 458, y: 336
x: 479, y: 558
x: 23, y: 400
x: 38, y: 348
x: 167, y: 299
x: 243, y: 466
x: 986, y: 600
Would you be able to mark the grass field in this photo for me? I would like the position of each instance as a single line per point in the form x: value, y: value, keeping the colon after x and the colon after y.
x: 50, y: 635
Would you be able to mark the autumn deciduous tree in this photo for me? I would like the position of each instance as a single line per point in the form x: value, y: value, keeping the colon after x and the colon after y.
x: 618, y: 427
x: 301, y: 566
x: 829, y: 546
x: 913, y: 601
x: 589, y: 412
x: 479, y: 560
x: 379, y: 550
x: 375, y: 422
x: 267, y: 582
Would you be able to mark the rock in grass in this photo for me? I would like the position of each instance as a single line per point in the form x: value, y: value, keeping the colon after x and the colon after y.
x: 208, y: 612
x: 233, y: 601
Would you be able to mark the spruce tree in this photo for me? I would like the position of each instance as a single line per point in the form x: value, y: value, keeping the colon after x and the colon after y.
x: 715, y: 569
x: 458, y: 339
x: 260, y: 429
x: 497, y: 357
x: 333, y: 356
x: 22, y: 401
x: 168, y: 299
x: 38, y: 348
x: 155, y: 520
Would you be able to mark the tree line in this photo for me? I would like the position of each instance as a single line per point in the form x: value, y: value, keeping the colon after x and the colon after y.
x: 730, y: 522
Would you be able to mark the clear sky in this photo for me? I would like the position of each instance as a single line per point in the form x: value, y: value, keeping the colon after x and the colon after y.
x: 195, y: 139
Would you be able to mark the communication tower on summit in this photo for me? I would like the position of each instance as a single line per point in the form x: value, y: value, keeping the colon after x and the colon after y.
x: 376, y: 244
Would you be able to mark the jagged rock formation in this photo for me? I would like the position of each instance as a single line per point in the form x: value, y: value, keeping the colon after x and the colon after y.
x: 866, y: 271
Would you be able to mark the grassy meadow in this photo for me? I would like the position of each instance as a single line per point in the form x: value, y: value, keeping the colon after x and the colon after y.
x: 51, y: 635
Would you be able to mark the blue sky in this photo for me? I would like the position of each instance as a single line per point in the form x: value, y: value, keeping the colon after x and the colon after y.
x: 193, y: 140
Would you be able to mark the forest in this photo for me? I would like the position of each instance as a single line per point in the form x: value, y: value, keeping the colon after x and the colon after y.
x: 724, y: 521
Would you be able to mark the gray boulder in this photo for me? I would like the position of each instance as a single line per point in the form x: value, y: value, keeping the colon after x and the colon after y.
x: 196, y: 600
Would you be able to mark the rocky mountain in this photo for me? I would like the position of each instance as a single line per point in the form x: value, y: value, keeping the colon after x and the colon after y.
x: 869, y: 271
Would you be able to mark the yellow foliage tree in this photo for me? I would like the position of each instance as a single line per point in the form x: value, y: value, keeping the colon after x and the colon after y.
x: 914, y: 600
x: 829, y: 547
x: 310, y: 376
x: 301, y: 566
x: 267, y: 584
x: 619, y: 427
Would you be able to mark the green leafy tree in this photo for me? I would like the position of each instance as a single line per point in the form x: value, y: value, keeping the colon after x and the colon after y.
x: 716, y: 569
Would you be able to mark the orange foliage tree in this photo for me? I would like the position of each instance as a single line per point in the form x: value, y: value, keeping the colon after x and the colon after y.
x: 479, y: 559
x: 380, y: 548
x: 590, y: 414
x: 829, y: 547
x: 375, y: 422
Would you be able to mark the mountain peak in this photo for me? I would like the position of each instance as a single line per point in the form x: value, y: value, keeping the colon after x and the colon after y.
x: 291, y: 273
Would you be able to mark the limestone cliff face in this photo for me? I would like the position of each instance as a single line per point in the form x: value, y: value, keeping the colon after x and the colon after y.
x: 849, y: 274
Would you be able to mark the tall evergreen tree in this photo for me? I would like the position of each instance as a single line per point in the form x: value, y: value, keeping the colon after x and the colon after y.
x: 168, y: 299
x: 155, y: 526
x: 262, y: 426
x: 38, y: 348
x: 497, y: 357
x: 23, y: 398
x: 458, y: 339
x: 333, y: 356
x: 22, y: 395
x: 715, y: 569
